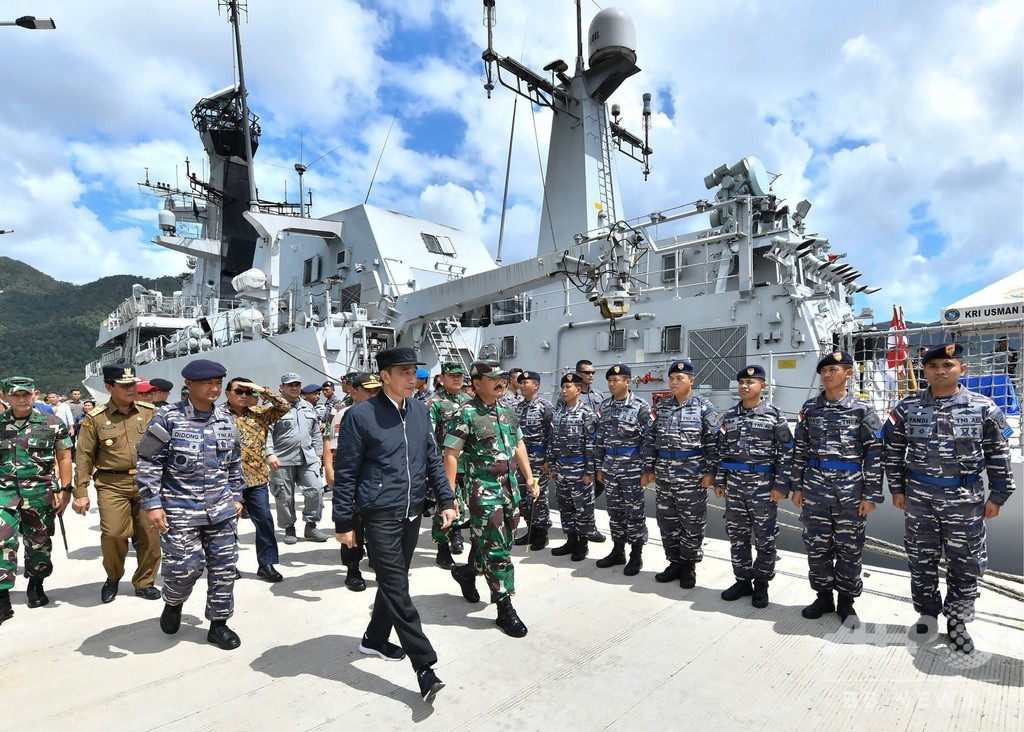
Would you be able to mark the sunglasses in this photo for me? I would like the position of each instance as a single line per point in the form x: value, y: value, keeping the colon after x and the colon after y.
x: 244, y: 392
x: 586, y: 373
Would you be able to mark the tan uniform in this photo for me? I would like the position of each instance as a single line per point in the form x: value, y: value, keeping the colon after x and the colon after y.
x: 106, y: 444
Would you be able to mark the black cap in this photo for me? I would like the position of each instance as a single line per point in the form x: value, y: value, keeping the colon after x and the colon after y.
x: 837, y: 358
x: 327, y: 384
x: 119, y: 373
x: 944, y: 350
x: 202, y: 368
x: 680, y: 367
x: 161, y: 384
x: 619, y: 369
x: 397, y: 357
x: 751, y: 371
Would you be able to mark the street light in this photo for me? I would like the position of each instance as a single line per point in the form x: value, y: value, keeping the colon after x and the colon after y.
x: 31, y: 22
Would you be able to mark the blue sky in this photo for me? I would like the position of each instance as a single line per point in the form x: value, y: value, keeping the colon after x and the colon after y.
x: 901, y: 122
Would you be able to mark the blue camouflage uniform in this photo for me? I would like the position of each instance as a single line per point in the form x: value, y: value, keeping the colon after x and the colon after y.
x: 754, y: 450
x: 535, y: 423
x: 836, y: 464
x: 618, y: 448
x: 570, y: 453
x: 190, y: 465
x: 680, y: 448
x: 935, y: 452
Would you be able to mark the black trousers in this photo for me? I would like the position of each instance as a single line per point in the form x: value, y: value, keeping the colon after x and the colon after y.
x: 355, y: 554
x: 391, y: 541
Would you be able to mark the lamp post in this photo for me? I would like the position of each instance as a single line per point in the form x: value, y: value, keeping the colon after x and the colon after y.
x: 31, y: 22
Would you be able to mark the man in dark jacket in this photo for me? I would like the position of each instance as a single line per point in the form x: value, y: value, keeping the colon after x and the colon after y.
x: 389, y: 458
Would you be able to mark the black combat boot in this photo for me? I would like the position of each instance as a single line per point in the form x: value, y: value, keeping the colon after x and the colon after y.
x: 354, y: 578
x: 466, y: 577
x: 847, y: 615
x: 688, y: 575
x: 824, y: 604
x: 567, y: 548
x: 444, y: 556
x: 6, y: 611
x: 580, y: 552
x: 740, y: 588
x: 618, y: 556
x: 539, y: 540
x: 760, y: 598
x: 35, y: 594
x: 508, y: 620
x: 170, y: 619
x: 670, y: 574
x: 925, y: 630
x: 959, y: 639
x: 524, y: 539
x: 455, y: 541
x: 636, y: 562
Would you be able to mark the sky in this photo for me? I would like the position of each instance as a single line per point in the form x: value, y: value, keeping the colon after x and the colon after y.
x: 902, y: 122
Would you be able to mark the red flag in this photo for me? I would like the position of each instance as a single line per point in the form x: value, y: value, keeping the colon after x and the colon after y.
x: 897, y: 343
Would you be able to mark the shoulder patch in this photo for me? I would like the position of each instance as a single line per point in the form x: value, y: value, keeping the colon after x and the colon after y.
x: 146, y: 405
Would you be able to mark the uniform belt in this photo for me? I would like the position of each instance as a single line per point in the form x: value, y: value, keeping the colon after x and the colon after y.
x: 746, y: 468
x: 616, y: 451
x: 964, y: 480
x: 676, y: 454
x: 535, y: 448
x: 570, y: 460
x: 118, y: 472
x: 833, y: 465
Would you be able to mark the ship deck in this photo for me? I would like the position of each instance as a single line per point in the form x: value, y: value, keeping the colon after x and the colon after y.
x: 604, y: 652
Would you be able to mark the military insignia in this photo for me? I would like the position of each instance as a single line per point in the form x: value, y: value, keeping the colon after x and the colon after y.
x: 950, y: 349
x: 838, y: 356
x: 616, y: 369
x: 750, y: 372
x: 128, y: 374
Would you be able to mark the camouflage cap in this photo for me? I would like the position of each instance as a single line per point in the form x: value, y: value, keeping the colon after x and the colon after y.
x: 15, y: 384
x: 451, y: 367
x: 490, y: 369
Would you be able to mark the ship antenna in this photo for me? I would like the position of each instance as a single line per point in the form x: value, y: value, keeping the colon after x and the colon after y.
x: 381, y: 156
x: 579, y: 37
x: 233, y: 7
x: 508, y: 172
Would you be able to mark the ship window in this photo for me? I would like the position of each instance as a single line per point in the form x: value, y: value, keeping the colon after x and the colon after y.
x: 508, y: 346
x: 668, y: 267
x: 311, y: 270
x: 618, y: 342
x: 672, y: 339
x: 341, y: 258
x: 438, y: 244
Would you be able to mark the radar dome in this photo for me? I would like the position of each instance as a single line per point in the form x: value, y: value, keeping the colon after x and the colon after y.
x: 611, y: 34
x: 167, y: 221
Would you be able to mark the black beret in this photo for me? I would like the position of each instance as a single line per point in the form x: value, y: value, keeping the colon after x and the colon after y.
x: 572, y: 378
x: 328, y: 384
x: 619, y: 369
x: 680, y: 367
x: 397, y: 357
x: 837, y: 358
x: 311, y: 388
x: 161, y: 384
x: 944, y: 350
x: 530, y: 375
x: 751, y: 371
x: 202, y: 368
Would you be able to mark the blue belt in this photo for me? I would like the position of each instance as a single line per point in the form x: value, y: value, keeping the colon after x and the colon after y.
x: 570, y: 460
x: 946, y: 482
x: 744, y: 467
x: 616, y: 451
x: 833, y: 465
x: 535, y: 448
x: 676, y: 454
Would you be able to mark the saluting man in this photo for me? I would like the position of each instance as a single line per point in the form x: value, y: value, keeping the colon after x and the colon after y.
x: 190, y: 479
x: 937, y: 444
x: 107, y: 459
x: 836, y: 479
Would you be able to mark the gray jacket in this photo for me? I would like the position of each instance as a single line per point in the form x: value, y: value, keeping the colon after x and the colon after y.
x: 296, y: 438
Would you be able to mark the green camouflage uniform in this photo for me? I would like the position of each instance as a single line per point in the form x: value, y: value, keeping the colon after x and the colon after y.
x: 487, y: 437
x: 442, y: 407
x: 28, y: 456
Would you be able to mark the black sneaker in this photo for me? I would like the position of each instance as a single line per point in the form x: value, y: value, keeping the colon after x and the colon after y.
x: 148, y: 593
x: 429, y: 683
x: 386, y: 650
x: 959, y: 639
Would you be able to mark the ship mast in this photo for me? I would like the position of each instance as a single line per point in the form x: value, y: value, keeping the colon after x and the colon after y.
x: 233, y: 8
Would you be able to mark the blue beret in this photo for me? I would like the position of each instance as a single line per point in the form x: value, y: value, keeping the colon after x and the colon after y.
x: 837, y: 358
x: 680, y: 367
x: 310, y: 388
x: 619, y: 369
x: 422, y: 374
x: 530, y: 375
x: 944, y: 350
x: 202, y: 368
x: 397, y: 357
x: 751, y: 371
x: 572, y: 378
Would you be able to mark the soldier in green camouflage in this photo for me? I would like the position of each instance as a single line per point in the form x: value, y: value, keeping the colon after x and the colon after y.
x: 442, y: 405
x: 32, y: 446
x: 485, y: 433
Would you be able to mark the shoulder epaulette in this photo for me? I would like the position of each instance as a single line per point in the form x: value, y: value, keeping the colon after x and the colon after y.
x: 147, y: 405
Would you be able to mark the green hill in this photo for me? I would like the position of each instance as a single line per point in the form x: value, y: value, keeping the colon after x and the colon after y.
x: 48, y: 328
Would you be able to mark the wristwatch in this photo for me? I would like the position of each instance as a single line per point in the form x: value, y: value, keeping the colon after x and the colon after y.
x: 65, y: 489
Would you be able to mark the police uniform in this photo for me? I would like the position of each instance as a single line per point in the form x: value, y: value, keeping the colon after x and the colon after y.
x: 622, y: 426
x: 31, y: 450
x: 442, y: 406
x: 680, y: 449
x: 106, y: 457
x: 190, y: 466
x: 570, y: 454
x: 535, y: 423
x: 754, y: 448
x: 836, y: 465
x: 936, y: 449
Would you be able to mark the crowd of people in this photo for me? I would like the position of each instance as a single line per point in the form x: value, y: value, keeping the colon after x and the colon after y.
x: 480, y: 453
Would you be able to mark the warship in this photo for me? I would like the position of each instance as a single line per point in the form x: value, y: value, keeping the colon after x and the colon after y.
x: 730, y: 278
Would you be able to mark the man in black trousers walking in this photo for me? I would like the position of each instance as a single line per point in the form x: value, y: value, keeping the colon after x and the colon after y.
x: 386, y: 458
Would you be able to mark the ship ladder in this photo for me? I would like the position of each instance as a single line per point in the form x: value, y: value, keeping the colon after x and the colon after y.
x: 442, y: 337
